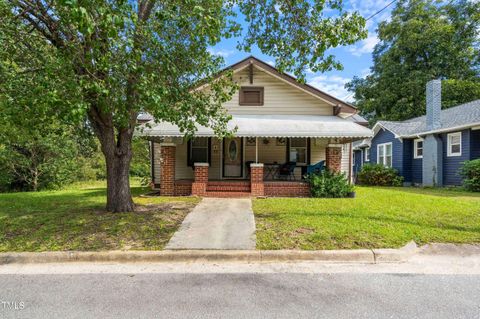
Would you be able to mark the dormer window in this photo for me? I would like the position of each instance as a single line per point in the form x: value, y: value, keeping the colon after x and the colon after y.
x: 250, y: 95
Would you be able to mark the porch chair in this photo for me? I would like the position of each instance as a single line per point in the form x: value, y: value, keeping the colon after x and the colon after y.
x: 287, y: 170
x: 316, y: 168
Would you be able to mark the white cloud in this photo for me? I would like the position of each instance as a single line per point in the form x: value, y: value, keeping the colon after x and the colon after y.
x: 221, y: 52
x: 334, y: 85
x: 364, y: 47
x: 272, y: 63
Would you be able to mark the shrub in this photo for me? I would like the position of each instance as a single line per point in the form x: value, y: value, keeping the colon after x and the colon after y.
x: 329, y: 184
x: 379, y: 175
x: 470, y: 172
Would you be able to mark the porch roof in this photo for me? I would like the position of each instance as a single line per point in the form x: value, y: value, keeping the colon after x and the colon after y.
x: 273, y: 126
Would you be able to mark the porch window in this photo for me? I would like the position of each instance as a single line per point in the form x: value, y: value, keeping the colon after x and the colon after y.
x: 454, y: 143
x: 250, y: 95
x: 298, y: 151
x: 384, y: 154
x: 198, y: 151
x: 418, y: 148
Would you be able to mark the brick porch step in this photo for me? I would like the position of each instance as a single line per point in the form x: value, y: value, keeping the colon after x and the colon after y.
x: 228, y: 194
x: 228, y: 186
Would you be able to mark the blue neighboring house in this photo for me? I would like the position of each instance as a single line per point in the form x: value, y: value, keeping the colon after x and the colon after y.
x: 427, y: 150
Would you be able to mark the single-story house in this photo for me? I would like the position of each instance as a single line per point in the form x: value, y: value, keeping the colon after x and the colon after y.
x: 427, y: 150
x: 284, y: 127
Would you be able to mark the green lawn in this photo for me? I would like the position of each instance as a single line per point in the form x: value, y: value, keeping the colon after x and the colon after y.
x: 378, y: 217
x: 74, y: 219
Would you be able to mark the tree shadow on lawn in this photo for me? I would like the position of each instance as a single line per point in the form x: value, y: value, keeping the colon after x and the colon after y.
x: 26, y: 203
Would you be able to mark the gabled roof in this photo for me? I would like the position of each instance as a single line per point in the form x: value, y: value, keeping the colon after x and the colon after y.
x: 251, y: 60
x: 458, y: 117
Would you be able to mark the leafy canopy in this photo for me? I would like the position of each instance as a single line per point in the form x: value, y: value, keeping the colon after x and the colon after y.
x: 424, y: 40
x: 118, y: 58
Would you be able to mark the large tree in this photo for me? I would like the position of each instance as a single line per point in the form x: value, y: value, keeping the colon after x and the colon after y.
x: 111, y: 59
x: 424, y: 40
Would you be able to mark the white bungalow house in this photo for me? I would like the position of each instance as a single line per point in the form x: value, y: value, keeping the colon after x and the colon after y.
x: 285, y: 128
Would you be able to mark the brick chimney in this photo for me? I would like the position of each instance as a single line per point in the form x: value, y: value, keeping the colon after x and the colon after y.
x: 434, y: 104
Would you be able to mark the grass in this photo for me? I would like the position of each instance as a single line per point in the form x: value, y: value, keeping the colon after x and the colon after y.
x: 378, y: 217
x: 74, y: 219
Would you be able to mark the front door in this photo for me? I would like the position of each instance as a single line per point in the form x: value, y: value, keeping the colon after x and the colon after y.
x: 232, y: 157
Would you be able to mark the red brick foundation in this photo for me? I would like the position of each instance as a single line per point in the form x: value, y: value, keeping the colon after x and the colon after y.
x: 167, y: 175
x: 287, y: 189
x: 183, y: 188
x: 199, y: 186
x: 333, y: 154
x: 256, y: 180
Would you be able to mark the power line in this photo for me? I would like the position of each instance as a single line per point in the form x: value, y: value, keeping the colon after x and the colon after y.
x: 379, y: 11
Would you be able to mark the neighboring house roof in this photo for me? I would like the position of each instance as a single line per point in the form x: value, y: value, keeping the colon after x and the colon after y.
x: 275, y: 126
x: 144, y: 117
x: 358, y: 119
x: 361, y: 144
x: 344, y: 107
x: 458, y: 117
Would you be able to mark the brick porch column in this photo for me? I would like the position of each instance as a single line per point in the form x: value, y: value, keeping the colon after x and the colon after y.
x: 167, y: 169
x: 199, y: 186
x: 333, y: 155
x: 256, y: 179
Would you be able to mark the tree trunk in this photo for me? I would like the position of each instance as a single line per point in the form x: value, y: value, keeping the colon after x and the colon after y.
x: 117, y: 148
x: 119, y: 197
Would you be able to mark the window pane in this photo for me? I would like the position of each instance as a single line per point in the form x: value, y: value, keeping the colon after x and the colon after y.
x: 388, y: 161
x: 419, y: 144
x: 199, y: 155
x: 419, y: 152
x: 200, y: 142
x: 455, y: 148
x: 301, y: 155
x: 381, y: 150
x: 389, y: 149
x: 454, y: 139
x: 298, y: 142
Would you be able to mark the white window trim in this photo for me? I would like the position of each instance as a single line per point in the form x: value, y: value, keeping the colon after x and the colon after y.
x: 384, y: 145
x: 415, y: 147
x: 367, y: 154
x: 449, y: 145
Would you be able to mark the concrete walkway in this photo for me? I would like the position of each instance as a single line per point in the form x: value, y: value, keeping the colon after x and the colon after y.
x: 217, y: 223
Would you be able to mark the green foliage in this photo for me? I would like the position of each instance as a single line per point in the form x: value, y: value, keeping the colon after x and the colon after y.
x: 140, y: 165
x: 424, y: 40
x: 379, y: 175
x: 104, y: 62
x: 378, y: 217
x: 329, y: 184
x: 470, y: 172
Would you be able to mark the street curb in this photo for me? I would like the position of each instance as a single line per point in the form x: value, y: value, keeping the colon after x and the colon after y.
x: 395, y: 255
x: 370, y: 256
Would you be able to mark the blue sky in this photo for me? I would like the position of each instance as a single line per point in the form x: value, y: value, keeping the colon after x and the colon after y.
x: 356, y: 59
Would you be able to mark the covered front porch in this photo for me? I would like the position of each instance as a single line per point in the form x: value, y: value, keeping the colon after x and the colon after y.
x: 241, y: 166
x: 268, y: 156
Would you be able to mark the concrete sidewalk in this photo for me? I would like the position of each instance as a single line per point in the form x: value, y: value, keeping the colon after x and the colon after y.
x: 217, y: 223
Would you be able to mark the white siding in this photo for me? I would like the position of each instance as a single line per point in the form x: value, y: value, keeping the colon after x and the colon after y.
x: 156, y: 163
x: 279, y: 97
x: 346, y: 153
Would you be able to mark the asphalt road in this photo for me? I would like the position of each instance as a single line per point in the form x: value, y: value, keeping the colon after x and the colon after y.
x: 240, y: 295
